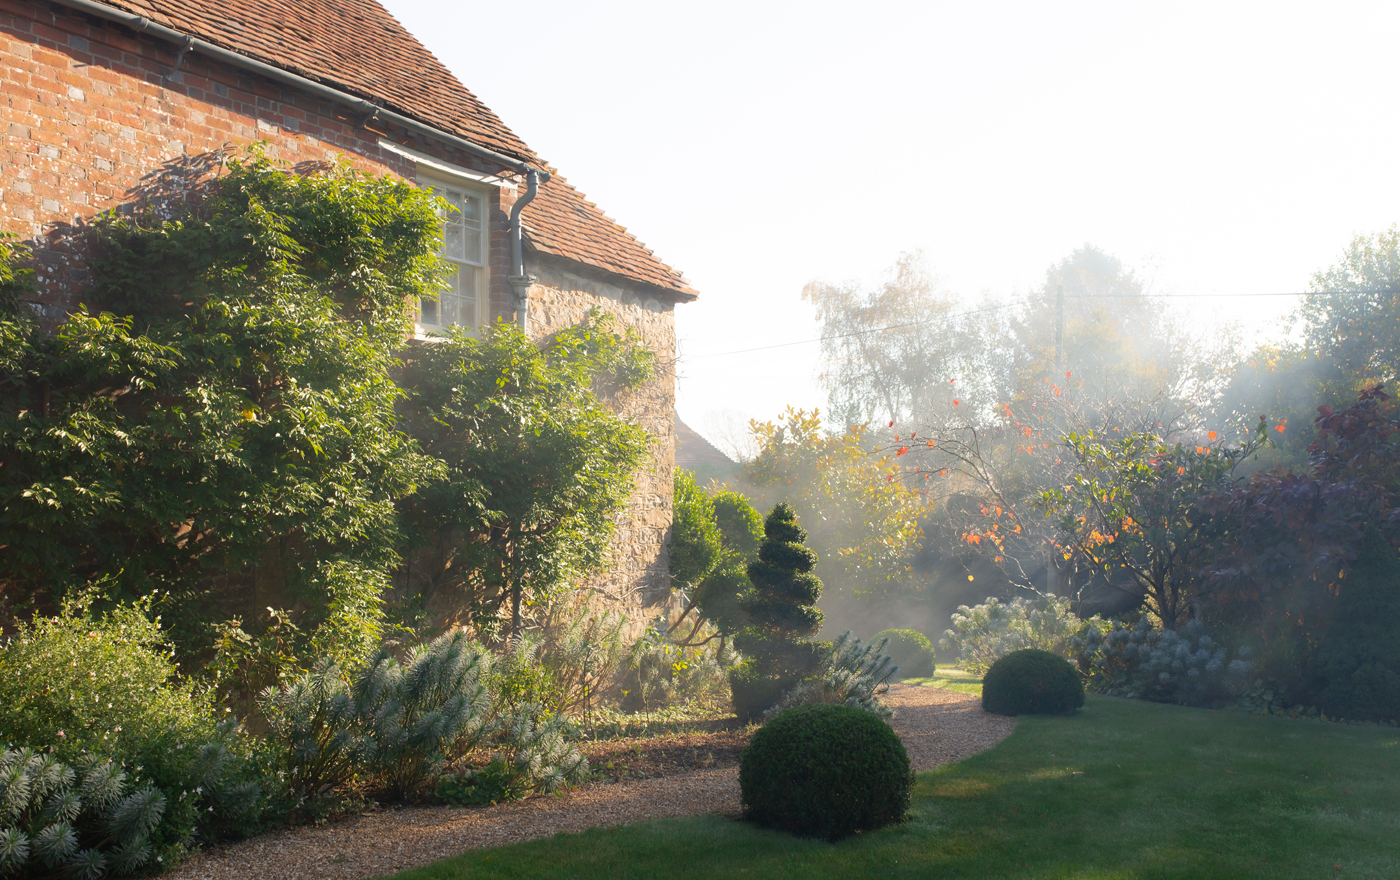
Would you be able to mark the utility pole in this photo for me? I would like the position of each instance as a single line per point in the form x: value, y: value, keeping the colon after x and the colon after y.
x: 1052, y: 570
x: 1059, y: 326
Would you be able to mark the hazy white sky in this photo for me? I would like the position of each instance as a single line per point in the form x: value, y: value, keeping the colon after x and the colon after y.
x: 1218, y: 148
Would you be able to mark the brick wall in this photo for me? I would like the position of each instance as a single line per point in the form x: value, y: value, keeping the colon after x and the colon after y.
x: 95, y: 117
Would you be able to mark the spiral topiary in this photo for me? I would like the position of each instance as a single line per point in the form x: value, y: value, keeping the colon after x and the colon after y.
x: 780, y: 614
x: 910, y: 649
x: 825, y: 771
x: 1032, y: 682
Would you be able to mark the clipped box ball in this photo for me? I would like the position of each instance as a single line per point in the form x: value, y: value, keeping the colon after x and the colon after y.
x: 825, y: 771
x: 1032, y: 682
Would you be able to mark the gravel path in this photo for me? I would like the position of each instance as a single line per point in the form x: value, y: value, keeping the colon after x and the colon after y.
x: 937, y: 726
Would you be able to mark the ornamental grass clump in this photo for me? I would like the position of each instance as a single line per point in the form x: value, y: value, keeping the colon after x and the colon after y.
x: 825, y: 771
x: 1032, y: 682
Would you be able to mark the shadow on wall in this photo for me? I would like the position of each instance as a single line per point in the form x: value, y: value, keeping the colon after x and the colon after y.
x: 60, y: 255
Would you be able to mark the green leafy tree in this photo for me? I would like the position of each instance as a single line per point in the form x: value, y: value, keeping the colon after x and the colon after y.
x: 741, y: 534
x: 1133, y: 504
x: 537, y: 465
x: 712, y: 543
x: 782, y: 616
x: 1353, y: 321
x: 889, y: 351
x: 864, y: 519
x: 695, y: 536
x: 16, y: 280
x: 227, y: 431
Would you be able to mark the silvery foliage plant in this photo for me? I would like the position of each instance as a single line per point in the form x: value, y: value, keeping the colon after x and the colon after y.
x: 81, y: 821
x: 985, y: 633
x: 1184, y: 665
x: 853, y: 673
x: 402, y: 724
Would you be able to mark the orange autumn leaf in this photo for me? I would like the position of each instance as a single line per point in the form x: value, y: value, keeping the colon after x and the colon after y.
x: 1200, y: 449
x: 1211, y: 435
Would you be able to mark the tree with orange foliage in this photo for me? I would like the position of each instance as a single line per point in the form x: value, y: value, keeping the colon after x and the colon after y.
x: 1132, y: 504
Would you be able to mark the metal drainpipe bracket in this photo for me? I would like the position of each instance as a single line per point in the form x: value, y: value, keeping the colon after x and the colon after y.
x: 520, y: 286
x: 185, y: 48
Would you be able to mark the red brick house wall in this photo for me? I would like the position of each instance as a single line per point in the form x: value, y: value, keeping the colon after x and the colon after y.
x: 96, y: 117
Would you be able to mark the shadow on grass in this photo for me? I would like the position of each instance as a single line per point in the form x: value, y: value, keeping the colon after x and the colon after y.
x: 1121, y: 790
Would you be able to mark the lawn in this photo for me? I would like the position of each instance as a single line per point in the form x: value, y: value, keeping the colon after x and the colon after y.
x: 1123, y: 789
x: 953, y: 679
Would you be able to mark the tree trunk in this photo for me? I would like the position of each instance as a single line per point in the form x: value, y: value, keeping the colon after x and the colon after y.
x: 515, y: 609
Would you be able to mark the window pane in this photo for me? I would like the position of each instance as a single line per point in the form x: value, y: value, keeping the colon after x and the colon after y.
x: 451, y: 310
x: 428, y: 310
x: 467, y: 285
x: 471, y: 246
x: 454, y: 245
x: 470, y: 206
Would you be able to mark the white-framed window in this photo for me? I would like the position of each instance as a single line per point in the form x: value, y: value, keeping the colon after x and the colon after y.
x: 465, y: 244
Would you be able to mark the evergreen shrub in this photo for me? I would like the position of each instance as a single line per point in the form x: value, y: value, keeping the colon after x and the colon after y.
x: 1186, y: 666
x: 781, y: 614
x: 984, y: 633
x: 911, y: 651
x: 402, y: 727
x: 1356, y: 672
x: 73, y: 821
x: 1032, y: 682
x: 825, y: 771
x: 80, y: 688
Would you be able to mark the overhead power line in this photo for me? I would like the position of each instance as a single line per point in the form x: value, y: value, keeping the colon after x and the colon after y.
x: 1008, y: 305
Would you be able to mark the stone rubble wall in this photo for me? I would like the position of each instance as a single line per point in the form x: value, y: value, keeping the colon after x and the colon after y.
x: 636, y: 579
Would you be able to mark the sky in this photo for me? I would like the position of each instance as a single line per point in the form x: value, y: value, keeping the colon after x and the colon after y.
x: 1216, y: 148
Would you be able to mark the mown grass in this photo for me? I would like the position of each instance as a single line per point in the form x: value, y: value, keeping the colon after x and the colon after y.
x: 1122, y: 790
x: 952, y: 678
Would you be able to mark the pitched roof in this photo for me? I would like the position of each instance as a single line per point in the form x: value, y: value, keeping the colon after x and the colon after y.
x: 695, y: 453
x: 563, y: 222
x: 359, y: 47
